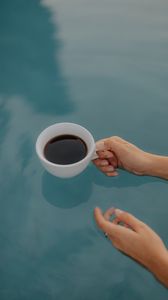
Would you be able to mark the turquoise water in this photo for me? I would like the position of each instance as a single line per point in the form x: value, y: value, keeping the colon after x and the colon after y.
x: 104, y: 65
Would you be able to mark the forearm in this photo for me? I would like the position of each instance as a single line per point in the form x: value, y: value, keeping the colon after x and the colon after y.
x: 160, y: 268
x: 157, y: 166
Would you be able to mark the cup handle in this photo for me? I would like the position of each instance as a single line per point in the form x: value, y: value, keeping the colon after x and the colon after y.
x: 95, y: 156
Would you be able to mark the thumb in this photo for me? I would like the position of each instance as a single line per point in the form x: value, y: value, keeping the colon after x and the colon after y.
x: 114, y: 144
x: 129, y: 219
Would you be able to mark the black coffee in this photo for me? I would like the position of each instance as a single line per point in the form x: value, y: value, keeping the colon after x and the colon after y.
x: 65, y: 149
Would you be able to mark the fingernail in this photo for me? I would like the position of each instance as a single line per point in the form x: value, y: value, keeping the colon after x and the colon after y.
x: 116, y: 173
x: 110, y: 169
x: 118, y: 211
x: 104, y: 163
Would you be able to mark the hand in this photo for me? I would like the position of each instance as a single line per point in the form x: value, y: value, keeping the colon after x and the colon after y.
x: 135, y: 239
x: 114, y: 152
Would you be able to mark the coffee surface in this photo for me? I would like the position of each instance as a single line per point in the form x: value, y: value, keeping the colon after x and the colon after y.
x: 65, y: 149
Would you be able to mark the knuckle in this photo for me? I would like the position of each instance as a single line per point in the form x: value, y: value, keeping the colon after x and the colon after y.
x: 141, y: 225
x: 126, y: 215
x: 98, y: 163
x: 116, y: 138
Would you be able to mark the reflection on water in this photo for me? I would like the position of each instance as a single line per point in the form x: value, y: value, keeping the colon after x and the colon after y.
x: 30, y: 50
x: 67, y: 193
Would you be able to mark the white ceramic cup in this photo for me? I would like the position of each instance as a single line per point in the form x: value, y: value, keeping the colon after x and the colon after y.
x: 70, y: 170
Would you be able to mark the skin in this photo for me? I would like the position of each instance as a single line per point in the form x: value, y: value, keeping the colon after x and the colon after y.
x: 116, y: 153
x: 133, y: 238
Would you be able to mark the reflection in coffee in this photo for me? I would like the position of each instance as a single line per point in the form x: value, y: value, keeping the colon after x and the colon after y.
x: 65, y: 149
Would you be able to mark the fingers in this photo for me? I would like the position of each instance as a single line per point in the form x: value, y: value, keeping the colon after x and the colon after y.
x: 105, y: 167
x: 106, y: 150
x: 120, y: 216
x: 112, y: 174
x: 113, y: 229
x: 101, y: 162
x: 100, y: 146
x: 129, y: 219
x: 109, y: 213
x: 102, y: 223
x: 106, y: 144
x: 107, y: 161
x: 116, y: 221
x: 105, y: 154
x: 113, y: 142
x: 113, y: 161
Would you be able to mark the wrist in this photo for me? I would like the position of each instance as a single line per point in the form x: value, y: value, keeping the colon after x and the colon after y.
x: 159, y: 267
x: 156, y: 165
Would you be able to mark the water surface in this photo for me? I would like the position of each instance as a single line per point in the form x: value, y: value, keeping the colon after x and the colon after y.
x: 103, y: 64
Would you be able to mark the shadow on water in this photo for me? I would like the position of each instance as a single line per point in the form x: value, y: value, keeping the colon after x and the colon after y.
x: 29, y: 61
x: 68, y: 193
x: 124, y: 180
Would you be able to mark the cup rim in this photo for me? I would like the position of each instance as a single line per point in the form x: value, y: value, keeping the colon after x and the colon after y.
x: 89, y: 154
